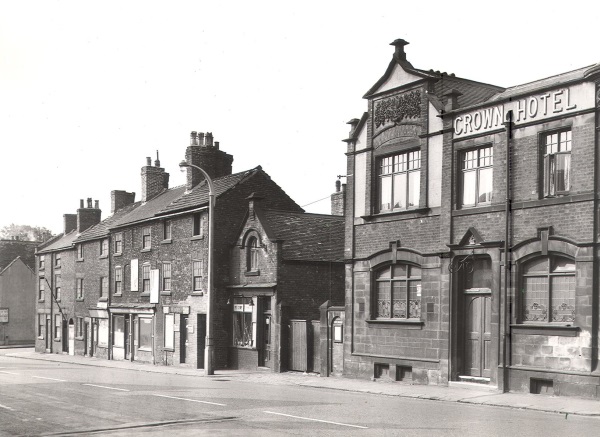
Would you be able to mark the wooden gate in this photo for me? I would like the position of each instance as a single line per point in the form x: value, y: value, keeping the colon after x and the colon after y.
x: 304, y: 346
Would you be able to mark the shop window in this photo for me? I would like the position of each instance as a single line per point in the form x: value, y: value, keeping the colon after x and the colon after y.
x: 252, y: 255
x: 166, y: 276
x: 556, y: 166
x: 79, y: 327
x: 197, y: 267
x: 243, y: 332
x: 146, y: 240
x: 399, y: 181
x: 40, y: 327
x: 57, y: 326
x: 548, y: 290
x: 145, y: 327
x: 169, y: 331
x: 167, y: 230
x: 79, y: 288
x: 118, y: 240
x: 118, y: 280
x: 398, y: 292
x: 119, y: 331
x: 476, y: 173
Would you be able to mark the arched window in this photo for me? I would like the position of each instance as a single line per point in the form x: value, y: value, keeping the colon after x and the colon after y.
x: 398, y: 292
x: 548, y: 290
x: 252, y: 255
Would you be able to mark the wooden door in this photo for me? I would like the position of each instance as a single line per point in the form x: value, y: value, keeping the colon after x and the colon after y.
x: 201, y: 340
x: 183, y: 338
x: 298, y: 359
x: 478, y: 335
x: 264, y: 356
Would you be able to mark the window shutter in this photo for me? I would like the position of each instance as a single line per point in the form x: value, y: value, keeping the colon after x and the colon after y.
x: 546, y: 172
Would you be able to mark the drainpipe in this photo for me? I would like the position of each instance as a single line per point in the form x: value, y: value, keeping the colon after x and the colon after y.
x: 507, y: 259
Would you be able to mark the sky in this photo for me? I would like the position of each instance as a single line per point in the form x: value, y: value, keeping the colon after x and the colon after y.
x: 89, y: 89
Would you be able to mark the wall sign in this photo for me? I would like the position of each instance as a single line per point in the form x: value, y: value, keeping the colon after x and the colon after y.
x: 532, y: 108
x: 3, y: 315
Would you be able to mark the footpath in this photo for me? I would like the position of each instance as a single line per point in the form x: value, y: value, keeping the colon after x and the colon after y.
x: 456, y: 392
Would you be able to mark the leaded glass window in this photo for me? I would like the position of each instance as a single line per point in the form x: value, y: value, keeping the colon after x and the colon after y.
x: 398, y: 292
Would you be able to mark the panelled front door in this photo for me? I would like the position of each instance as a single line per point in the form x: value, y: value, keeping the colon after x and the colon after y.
x: 478, y: 335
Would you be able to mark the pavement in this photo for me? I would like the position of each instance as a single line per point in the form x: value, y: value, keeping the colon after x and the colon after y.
x: 455, y: 392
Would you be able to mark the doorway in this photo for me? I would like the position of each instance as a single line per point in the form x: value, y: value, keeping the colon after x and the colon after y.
x: 71, y: 337
x: 183, y: 338
x: 201, y: 340
x: 48, y: 334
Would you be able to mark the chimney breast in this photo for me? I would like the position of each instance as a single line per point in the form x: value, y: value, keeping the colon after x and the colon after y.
x: 70, y: 222
x: 338, y: 199
x: 87, y: 217
x: 154, y: 180
x: 213, y: 161
x: 120, y: 199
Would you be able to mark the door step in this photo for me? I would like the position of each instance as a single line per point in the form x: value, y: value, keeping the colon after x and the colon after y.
x: 473, y: 383
x: 474, y: 379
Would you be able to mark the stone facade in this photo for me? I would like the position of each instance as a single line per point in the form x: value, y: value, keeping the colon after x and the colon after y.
x: 429, y: 229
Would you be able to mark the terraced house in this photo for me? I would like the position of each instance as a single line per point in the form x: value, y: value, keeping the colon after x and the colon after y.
x: 134, y: 286
x: 472, y: 232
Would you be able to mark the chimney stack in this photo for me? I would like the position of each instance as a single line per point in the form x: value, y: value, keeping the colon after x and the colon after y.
x: 87, y: 217
x: 452, y: 102
x: 253, y: 202
x: 120, y: 199
x: 154, y: 179
x: 206, y: 155
x: 70, y: 223
x: 338, y: 199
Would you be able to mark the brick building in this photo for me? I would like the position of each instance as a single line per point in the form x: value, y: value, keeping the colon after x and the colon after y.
x: 133, y: 286
x: 284, y: 265
x: 433, y: 211
x: 17, y: 291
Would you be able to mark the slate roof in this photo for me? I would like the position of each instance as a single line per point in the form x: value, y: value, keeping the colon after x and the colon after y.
x: 11, y: 263
x: 548, y: 82
x: 199, y: 194
x: 472, y: 92
x: 308, y: 237
x: 149, y: 209
x: 61, y: 242
x: 102, y: 229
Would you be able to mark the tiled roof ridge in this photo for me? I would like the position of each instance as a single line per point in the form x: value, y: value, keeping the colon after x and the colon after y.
x: 74, y: 231
x: 564, y: 73
x: 302, y: 214
x: 464, y: 79
x: 49, y: 241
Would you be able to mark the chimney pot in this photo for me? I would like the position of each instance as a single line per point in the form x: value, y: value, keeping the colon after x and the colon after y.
x: 452, y: 102
x: 194, y: 138
x: 216, y: 144
x: 97, y: 204
x: 209, y: 139
x: 157, y: 161
x: 338, y: 186
x: 89, y: 202
x: 148, y: 161
x: 399, y: 53
x: 200, y: 138
x: 81, y: 203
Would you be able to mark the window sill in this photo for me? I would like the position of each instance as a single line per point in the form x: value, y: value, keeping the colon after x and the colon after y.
x: 41, y: 269
x: 79, y: 299
x: 57, y: 339
x: 252, y: 273
x: 103, y: 299
x: 41, y: 301
x: 79, y: 260
x: 479, y: 209
x: 197, y: 237
x: 417, y: 211
x: 168, y: 349
x: 148, y: 249
x: 248, y: 348
x: 103, y: 256
x: 546, y: 329
x: 390, y: 323
x: 165, y: 293
x: 80, y: 338
x: 197, y: 293
x: 167, y: 241
x: 56, y: 267
x: 118, y: 294
x: 145, y: 294
x: 41, y: 337
x: 145, y: 349
x: 118, y: 254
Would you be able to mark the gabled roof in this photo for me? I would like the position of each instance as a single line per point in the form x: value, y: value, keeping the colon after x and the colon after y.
x: 472, y: 92
x: 11, y: 249
x: 307, y: 237
x: 199, y: 194
x: 13, y: 262
x: 406, y: 66
x: 548, y: 82
x: 62, y: 242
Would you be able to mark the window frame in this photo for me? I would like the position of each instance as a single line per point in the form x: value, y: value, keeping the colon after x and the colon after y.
x: 79, y: 289
x: 79, y: 327
x: 197, y: 228
x: 57, y: 287
x: 80, y: 252
x: 42, y: 262
x: 395, y: 163
x: 547, y: 159
x: 548, y: 299
x: 41, y: 288
x: 57, y: 327
x: 169, y: 332
x: 247, y: 308
x: 141, y: 322
x: 477, y: 170
x: 146, y: 278
x: 118, y: 280
x: 41, y: 326
x: 146, y: 237
x: 407, y: 279
x: 104, y: 248
x: 118, y: 243
x: 57, y: 261
x: 166, y: 276
x: 104, y: 287
x: 197, y: 279
x: 252, y: 247
x: 167, y: 230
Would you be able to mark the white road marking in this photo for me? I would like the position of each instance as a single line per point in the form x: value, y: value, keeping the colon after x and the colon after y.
x: 190, y: 400
x: 316, y: 420
x: 10, y: 373
x: 51, y: 379
x: 6, y: 408
x: 103, y: 386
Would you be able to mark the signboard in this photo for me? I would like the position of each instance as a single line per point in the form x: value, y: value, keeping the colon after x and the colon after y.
x: 337, y: 333
x: 154, y: 280
x: 134, y: 275
x: 3, y: 315
x: 535, y: 107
